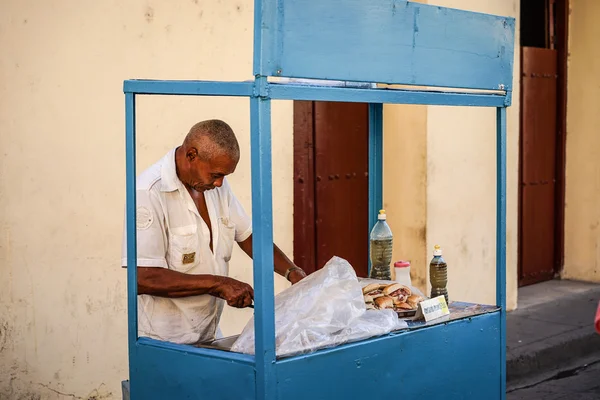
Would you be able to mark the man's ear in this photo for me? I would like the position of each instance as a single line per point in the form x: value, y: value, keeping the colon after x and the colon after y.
x: 192, y: 154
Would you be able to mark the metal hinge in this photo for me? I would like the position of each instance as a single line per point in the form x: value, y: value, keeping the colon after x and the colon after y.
x: 261, y: 87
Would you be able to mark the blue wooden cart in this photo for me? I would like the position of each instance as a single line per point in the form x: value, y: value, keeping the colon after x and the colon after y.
x: 382, y: 41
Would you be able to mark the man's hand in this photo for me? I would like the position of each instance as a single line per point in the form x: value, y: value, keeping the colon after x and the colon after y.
x: 296, y: 275
x: 237, y: 294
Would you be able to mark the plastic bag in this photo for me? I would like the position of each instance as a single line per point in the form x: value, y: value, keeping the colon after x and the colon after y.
x: 325, y: 309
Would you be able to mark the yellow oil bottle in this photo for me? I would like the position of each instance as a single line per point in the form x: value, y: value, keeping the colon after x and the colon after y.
x: 438, y: 274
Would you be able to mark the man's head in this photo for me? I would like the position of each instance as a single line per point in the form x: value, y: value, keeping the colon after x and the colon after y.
x: 209, y: 152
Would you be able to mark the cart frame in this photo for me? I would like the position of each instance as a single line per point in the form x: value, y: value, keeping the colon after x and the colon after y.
x: 468, y: 58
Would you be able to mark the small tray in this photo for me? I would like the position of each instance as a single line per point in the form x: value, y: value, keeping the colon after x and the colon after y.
x: 406, y: 313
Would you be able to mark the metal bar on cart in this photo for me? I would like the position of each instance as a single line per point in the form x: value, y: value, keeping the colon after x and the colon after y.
x: 131, y: 226
x: 188, y: 88
x: 375, y: 164
x: 501, y: 238
x: 262, y: 242
x: 388, y: 96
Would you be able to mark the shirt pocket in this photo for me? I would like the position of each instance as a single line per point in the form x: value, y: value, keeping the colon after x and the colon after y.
x: 226, y: 238
x: 183, y: 252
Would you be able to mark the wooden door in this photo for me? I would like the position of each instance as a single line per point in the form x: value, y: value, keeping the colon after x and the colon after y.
x: 538, y: 168
x: 542, y: 139
x: 331, y: 184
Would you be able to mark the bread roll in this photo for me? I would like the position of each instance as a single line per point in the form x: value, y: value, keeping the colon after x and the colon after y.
x: 384, y: 302
x: 414, y: 300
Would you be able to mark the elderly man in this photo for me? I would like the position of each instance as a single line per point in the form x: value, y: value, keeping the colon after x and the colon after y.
x: 187, y: 221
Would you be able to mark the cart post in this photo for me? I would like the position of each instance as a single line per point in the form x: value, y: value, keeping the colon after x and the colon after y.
x: 262, y: 245
x: 501, y: 239
x: 375, y: 164
x: 131, y: 226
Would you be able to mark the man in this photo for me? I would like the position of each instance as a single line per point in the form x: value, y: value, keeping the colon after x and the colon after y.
x: 187, y: 221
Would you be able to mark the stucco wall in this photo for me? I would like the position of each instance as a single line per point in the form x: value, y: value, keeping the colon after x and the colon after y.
x: 405, y: 184
x: 461, y: 190
x: 582, y: 191
x: 62, y: 291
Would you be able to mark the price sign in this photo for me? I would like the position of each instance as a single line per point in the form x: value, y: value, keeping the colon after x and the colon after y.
x: 432, y: 309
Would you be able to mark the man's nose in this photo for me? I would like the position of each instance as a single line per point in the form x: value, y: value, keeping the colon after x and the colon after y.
x: 218, y: 182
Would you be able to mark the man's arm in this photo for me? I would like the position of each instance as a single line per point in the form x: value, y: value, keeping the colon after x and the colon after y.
x: 281, y: 261
x: 163, y: 282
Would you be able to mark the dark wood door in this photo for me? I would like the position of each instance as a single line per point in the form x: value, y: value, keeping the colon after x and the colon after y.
x: 331, y: 184
x: 544, y: 26
x: 538, y: 165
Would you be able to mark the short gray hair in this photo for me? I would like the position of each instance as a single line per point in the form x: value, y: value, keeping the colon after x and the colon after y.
x: 221, y: 139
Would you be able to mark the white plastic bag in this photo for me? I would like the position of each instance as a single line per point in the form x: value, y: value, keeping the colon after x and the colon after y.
x: 324, y: 309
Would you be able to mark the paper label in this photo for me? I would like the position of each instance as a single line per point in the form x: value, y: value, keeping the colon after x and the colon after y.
x: 432, y: 309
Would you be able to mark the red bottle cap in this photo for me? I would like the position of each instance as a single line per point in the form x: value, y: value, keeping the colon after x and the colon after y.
x: 401, y: 264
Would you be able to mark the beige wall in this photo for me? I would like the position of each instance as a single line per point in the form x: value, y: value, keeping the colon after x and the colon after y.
x: 461, y: 190
x: 439, y: 184
x: 405, y: 184
x: 62, y: 292
x: 582, y: 197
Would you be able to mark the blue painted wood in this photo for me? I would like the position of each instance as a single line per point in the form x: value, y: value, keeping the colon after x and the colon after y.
x: 265, y: 21
x: 459, y: 360
x: 201, y: 351
x: 375, y: 164
x: 162, y: 373
x: 188, y: 88
x: 317, y: 93
x: 262, y: 241
x: 390, y: 41
x: 501, y: 207
x: 501, y: 237
x: 388, y: 96
x: 508, y: 100
x: 130, y: 182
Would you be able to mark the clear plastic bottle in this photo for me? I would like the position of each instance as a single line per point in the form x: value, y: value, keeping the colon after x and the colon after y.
x: 381, y: 241
x: 403, y: 272
x: 438, y: 274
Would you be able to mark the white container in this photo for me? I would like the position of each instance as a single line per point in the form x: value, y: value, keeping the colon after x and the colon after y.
x: 402, y: 269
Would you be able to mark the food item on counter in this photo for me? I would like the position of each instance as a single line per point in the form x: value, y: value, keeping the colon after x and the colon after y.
x: 372, y: 291
x: 398, y: 292
x: 393, y: 296
x: 414, y: 300
x: 404, y: 307
x: 384, y: 302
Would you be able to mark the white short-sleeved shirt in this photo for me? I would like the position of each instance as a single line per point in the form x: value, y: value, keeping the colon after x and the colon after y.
x: 172, y: 234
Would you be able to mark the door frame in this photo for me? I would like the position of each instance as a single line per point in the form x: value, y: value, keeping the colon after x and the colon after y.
x: 562, y: 40
x: 305, y: 253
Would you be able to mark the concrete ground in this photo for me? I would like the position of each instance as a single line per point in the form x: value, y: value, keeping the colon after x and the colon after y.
x: 582, y: 383
x: 552, y: 332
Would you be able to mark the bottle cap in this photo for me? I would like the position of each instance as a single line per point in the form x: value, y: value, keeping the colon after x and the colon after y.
x: 437, y: 250
x: 381, y: 215
x: 402, y: 264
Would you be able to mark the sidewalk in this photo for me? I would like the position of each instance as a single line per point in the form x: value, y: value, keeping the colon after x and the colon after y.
x: 551, y: 331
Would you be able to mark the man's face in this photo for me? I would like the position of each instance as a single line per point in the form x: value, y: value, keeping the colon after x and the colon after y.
x: 209, y: 174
